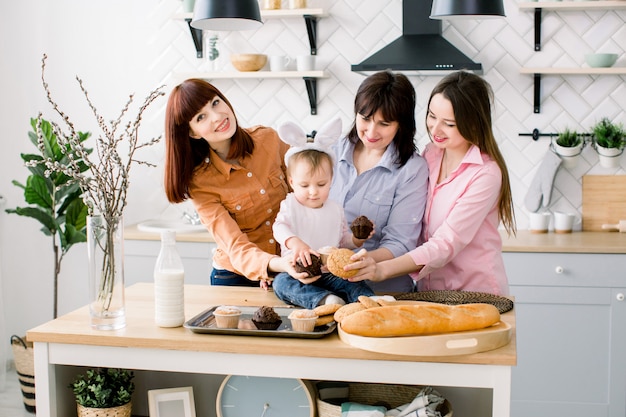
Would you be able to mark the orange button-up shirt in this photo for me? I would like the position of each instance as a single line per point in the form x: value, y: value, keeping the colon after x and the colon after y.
x: 238, y: 203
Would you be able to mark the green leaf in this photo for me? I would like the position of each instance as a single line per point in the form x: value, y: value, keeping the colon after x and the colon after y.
x: 38, y: 192
x: 42, y: 216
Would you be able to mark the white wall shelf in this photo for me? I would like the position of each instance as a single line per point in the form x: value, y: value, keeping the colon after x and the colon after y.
x: 309, y: 77
x: 252, y: 74
x: 538, y: 6
x: 310, y: 19
x: 538, y: 72
x: 574, y: 71
x: 573, y: 5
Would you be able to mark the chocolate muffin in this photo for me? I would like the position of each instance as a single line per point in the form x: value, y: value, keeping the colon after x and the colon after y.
x: 266, y: 318
x: 314, y: 269
x: 361, y: 227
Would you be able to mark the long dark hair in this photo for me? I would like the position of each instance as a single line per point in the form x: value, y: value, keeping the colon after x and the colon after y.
x: 183, y: 153
x: 394, y: 95
x: 471, y: 98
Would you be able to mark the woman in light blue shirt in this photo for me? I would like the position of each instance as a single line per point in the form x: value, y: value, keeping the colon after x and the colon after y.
x: 379, y: 173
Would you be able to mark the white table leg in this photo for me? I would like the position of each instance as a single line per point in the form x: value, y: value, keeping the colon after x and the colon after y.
x: 45, y: 386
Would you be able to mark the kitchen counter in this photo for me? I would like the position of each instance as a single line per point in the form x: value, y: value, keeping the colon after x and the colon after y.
x: 577, y: 242
x: 525, y: 241
x: 69, y: 340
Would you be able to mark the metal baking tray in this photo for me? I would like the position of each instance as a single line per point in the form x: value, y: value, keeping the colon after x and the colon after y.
x: 205, y: 323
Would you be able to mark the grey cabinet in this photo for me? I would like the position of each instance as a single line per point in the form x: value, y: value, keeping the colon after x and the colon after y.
x: 571, y: 334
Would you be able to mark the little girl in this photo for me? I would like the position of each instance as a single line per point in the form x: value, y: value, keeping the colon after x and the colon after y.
x: 307, y: 220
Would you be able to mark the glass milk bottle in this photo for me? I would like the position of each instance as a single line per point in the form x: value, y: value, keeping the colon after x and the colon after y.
x: 169, y: 278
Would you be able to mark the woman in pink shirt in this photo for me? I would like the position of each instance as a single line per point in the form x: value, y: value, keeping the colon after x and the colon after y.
x: 469, y: 195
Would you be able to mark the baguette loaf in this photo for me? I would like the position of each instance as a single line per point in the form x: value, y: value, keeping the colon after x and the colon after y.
x: 422, y: 319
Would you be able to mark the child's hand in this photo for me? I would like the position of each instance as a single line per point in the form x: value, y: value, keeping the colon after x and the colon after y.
x: 301, y: 251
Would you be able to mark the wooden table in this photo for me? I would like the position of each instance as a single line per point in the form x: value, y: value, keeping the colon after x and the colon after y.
x: 141, y: 345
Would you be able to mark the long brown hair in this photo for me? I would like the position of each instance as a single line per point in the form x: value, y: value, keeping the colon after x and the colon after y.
x: 394, y: 95
x: 183, y: 153
x: 471, y: 98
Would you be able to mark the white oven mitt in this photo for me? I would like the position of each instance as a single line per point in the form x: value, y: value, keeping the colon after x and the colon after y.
x: 540, y: 190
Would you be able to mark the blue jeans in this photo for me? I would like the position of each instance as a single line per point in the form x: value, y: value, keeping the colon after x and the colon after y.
x: 226, y: 277
x: 292, y: 291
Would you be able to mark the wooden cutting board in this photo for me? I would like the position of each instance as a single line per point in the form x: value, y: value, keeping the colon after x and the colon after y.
x: 443, y: 344
x: 604, y: 201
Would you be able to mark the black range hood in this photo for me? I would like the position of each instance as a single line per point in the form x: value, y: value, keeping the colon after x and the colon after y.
x: 421, y: 46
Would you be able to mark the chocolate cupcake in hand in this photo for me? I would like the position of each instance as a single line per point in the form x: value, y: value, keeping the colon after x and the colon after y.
x: 362, y: 227
x: 314, y: 269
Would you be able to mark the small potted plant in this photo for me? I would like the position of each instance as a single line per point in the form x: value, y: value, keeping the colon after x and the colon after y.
x: 569, y: 145
x: 104, y: 392
x: 608, y: 141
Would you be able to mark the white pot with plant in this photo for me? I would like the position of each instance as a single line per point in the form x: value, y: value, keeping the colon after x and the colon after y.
x: 608, y: 140
x: 569, y: 145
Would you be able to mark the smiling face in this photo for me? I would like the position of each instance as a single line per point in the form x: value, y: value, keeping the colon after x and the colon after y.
x: 310, y: 185
x: 375, y: 132
x: 215, y: 123
x: 442, y: 127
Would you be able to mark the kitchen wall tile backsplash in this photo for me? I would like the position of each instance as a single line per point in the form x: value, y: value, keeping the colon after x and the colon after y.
x: 354, y: 29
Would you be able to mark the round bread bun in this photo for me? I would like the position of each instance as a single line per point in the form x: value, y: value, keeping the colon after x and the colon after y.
x: 346, y: 310
x: 337, y: 260
x: 325, y: 309
x: 322, y: 320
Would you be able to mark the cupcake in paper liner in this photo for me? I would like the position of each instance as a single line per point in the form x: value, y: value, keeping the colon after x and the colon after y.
x: 266, y: 318
x: 303, y: 320
x: 227, y: 317
x: 362, y: 227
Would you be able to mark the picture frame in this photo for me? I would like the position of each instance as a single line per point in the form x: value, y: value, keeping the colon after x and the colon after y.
x: 171, y: 402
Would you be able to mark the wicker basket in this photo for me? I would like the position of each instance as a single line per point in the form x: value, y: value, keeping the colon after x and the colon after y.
x: 388, y: 395
x: 121, y: 411
x: 23, y: 355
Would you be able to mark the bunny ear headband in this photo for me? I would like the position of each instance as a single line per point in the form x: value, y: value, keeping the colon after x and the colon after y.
x: 294, y: 135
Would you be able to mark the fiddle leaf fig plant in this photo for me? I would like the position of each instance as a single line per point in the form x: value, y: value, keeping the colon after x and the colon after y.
x: 608, y: 134
x: 103, y: 387
x: 55, y: 200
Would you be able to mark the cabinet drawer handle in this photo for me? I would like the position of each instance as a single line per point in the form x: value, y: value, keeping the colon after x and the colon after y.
x: 559, y: 270
x: 620, y: 297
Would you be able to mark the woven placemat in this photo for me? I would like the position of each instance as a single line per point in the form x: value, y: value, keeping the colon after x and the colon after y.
x: 450, y: 297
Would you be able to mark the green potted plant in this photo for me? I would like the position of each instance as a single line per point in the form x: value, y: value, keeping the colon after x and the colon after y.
x: 56, y: 202
x: 608, y: 141
x: 104, y: 392
x: 54, y: 199
x: 569, y: 145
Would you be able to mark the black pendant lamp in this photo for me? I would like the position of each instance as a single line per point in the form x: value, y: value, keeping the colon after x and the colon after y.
x: 226, y: 15
x: 469, y: 9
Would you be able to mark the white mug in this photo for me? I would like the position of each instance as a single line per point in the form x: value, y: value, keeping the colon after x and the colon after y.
x: 305, y: 62
x: 279, y: 62
x: 564, y: 222
x: 539, y: 222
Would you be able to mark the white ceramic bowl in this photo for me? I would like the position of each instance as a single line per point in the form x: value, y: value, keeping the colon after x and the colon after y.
x: 600, y: 60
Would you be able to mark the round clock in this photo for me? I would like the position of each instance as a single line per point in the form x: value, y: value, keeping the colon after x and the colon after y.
x: 252, y: 396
